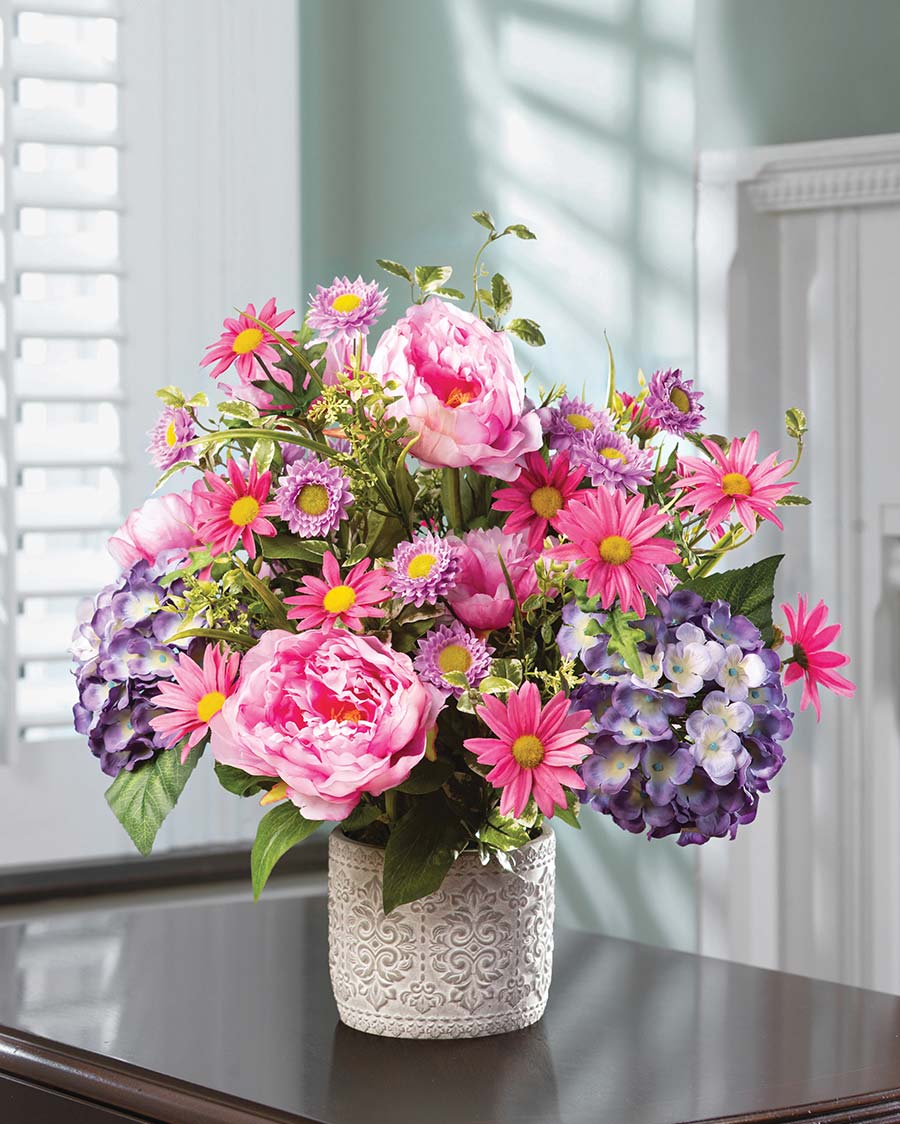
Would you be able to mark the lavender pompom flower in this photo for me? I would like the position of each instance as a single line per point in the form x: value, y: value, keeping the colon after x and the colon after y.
x: 345, y: 308
x: 674, y: 403
x: 313, y: 497
x: 569, y: 419
x: 612, y: 460
x: 450, y: 648
x: 424, y: 570
x: 169, y: 438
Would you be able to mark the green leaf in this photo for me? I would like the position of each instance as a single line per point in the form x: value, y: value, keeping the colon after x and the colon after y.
x: 453, y: 294
x: 624, y: 637
x: 199, y: 399
x: 503, y: 832
x: 271, y: 601
x: 239, y: 783
x: 403, y: 481
x: 749, y: 591
x: 357, y: 554
x: 501, y: 293
x: 611, y: 375
x: 422, y: 847
x: 361, y: 816
x: 280, y: 829
x: 263, y: 453
x: 245, y: 410
x: 520, y: 231
x: 485, y: 219
x: 795, y: 422
x: 235, y: 639
x: 142, y: 799
x: 793, y: 501
x: 528, y: 331
x: 171, y: 395
x: 169, y: 473
x: 508, y: 669
x: 291, y: 547
x: 494, y: 685
x: 569, y: 814
x: 486, y: 297
x: 427, y: 776
x: 430, y: 277
x: 394, y: 267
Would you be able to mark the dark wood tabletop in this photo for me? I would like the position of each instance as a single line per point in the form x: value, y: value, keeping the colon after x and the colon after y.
x: 214, y: 1009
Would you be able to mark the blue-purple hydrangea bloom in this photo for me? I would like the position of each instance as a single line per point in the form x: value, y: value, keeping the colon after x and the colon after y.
x: 686, y: 747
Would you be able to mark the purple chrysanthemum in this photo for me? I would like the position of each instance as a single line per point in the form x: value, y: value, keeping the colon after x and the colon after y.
x: 346, y: 307
x: 674, y: 403
x: 169, y: 438
x: 313, y: 497
x: 612, y: 460
x: 570, y: 418
x: 452, y: 648
x: 424, y: 569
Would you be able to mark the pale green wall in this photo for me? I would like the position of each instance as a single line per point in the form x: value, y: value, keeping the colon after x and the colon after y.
x: 776, y: 71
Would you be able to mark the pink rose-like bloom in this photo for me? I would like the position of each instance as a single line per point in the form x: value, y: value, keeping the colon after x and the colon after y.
x: 333, y: 715
x: 459, y: 389
x: 480, y: 598
x: 162, y: 523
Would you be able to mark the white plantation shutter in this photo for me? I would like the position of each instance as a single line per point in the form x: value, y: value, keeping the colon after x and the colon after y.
x: 62, y: 370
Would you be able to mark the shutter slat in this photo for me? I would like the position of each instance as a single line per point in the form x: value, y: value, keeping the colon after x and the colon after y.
x: 76, y: 254
x: 78, y: 381
x: 60, y: 61
x: 85, y: 572
x: 69, y: 458
x: 70, y: 7
x: 68, y: 191
x: 59, y: 126
x: 74, y: 319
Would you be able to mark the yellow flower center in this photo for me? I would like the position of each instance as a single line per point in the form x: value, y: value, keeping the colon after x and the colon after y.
x: 546, y: 502
x: 346, y: 302
x: 248, y: 340
x: 736, y: 484
x: 459, y: 397
x: 211, y: 703
x: 244, y: 511
x: 339, y: 599
x: 345, y: 712
x: 612, y: 454
x: 421, y: 565
x: 528, y: 751
x: 615, y: 550
x: 579, y: 421
x: 313, y: 499
x: 454, y: 658
x: 680, y: 400
x: 171, y: 435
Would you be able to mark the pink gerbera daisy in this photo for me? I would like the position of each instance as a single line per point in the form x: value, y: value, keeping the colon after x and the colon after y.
x: 234, y: 509
x: 537, y: 497
x: 244, y: 340
x: 534, y: 750
x: 733, y: 479
x: 810, y: 637
x: 197, y: 694
x: 611, y: 537
x: 323, y: 603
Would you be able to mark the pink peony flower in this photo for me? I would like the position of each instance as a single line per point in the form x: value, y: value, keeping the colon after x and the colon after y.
x: 162, y: 523
x: 813, y: 663
x: 332, y: 715
x: 480, y: 598
x: 459, y: 389
x: 197, y: 695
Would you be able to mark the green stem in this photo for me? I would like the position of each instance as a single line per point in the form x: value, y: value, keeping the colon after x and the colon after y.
x: 454, y: 497
x: 476, y: 300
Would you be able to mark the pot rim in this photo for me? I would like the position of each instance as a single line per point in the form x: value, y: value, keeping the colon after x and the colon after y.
x: 546, y: 830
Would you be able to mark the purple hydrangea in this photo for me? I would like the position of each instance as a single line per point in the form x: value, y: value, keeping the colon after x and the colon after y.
x: 674, y: 403
x: 313, y: 497
x: 345, y: 308
x: 450, y: 648
x: 121, y: 651
x: 576, y: 636
x: 570, y: 418
x: 424, y: 570
x: 612, y: 460
x: 169, y: 438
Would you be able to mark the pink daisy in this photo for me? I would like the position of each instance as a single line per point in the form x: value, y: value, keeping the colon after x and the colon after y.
x: 243, y: 340
x: 534, y: 750
x: 234, y: 509
x: 810, y: 637
x: 611, y: 537
x: 323, y: 603
x: 535, y: 500
x: 733, y: 478
x: 197, y: 694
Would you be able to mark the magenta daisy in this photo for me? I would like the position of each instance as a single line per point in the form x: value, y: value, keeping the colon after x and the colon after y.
x: 452, y: 648
x: 424, y: 569
x: 322, y: 602
x: 243, y: 341
x: 612, y: 460
x: 234, y: 510
x: 611, y: 537
x: 198, y: 693
x: 313, y: 497
x: 674, y: 403
x: 170, y: 436
x: 563, y: 422
x: 345, y: 307
x: 733, y: 480
x: 534, y: 750
x: 537, y: 497
x: 810, y: 637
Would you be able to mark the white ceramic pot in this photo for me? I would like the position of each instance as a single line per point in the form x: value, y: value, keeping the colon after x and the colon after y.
x: 472, y: 959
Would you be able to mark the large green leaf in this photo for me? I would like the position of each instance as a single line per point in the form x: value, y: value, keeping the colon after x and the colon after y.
x: 624, y: 637
x: 278, y: 831
x: 527, y: 330
x: 422, y: 847
x: 292, y: 547
x: 239, y: 783
x: 142, y: 799
x: 427, y: 776
x: 749, y: 591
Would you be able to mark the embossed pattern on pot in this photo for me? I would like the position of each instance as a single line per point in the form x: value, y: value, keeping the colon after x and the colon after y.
x: 472, y: 959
